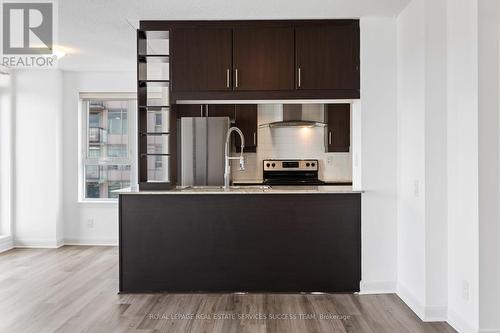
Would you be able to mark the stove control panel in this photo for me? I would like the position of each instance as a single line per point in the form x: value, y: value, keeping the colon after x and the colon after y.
x: 290, y: 165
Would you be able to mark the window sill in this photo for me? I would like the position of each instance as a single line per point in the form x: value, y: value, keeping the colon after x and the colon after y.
x: 98, y: 202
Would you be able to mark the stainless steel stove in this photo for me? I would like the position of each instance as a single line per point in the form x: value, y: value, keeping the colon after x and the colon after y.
x: 291, y: 172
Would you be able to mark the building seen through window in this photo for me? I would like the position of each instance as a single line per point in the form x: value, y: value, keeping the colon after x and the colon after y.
x: 107, y: 166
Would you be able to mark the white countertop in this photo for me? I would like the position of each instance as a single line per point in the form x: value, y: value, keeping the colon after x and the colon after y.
x: 329, y: 189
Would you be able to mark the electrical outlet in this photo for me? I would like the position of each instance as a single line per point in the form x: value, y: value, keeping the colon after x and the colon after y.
x: 329, y: 160
x: 90, y: 223
x: 465, y: 290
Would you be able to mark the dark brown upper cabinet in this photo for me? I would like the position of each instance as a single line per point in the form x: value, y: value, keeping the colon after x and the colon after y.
x: 327, y: 56
x: 263, y: 58
x: 246, y: 121
x: 338, y: 135
x: 201, y: 59
x: 268, y: 59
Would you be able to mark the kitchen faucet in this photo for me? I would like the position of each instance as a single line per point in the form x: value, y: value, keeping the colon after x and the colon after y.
x: 227, y: 158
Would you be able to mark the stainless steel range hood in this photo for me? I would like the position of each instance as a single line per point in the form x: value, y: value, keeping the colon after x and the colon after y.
x: 298, y: 115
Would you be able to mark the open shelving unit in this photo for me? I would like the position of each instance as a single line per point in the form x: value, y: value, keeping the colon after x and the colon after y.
x: 155, y: 121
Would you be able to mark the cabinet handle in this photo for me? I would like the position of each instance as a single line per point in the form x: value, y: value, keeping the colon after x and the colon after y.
x: 330, y: 137
x: 206, y: 109
x: 299, y: 77
x: 254, y: 138
x: 201, y: 110
x: 236, y: 77
x: 227, y: 78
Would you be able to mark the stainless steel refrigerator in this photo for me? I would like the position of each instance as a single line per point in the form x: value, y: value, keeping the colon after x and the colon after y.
x: 201, y: 148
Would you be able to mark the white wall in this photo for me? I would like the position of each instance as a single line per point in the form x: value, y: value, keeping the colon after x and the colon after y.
x: 436, y: 224
x: 489, y: 165
x: 378, y: 154
x: 6, y: 162
x: 462, y: 185
x: 422, y: 227
x: 77, y: 230
x: 411, y: 154
x: 38, y: 158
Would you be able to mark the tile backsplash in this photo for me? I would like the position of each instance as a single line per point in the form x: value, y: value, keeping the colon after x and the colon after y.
x: 293, y: 143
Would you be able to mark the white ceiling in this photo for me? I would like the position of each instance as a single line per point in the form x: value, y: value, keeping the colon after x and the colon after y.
x: 101, y: 34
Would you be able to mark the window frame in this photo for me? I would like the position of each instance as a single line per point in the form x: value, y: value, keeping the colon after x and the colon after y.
x: 83, y: 146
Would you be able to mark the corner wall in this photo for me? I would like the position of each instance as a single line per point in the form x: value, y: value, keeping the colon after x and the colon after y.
x: 463, y: 217
x: 378, y: 138
x: 422, y: 200
x: 6, y: 161
x: 489, y: 165
x: 37, y: 158
x: 411, y: 156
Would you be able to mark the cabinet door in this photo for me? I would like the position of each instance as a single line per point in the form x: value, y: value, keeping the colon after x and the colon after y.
x: 246, y: 121
x: 221, y: 110
x: 263, y: 58
x: 201, y: 59
x: 327, y: 56
x: 338, y: 136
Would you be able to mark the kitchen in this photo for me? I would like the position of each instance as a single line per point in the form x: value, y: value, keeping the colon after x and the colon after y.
x: 361, y: 195
x: 196, y: 184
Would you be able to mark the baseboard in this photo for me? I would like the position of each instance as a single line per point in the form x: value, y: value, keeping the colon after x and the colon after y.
x: 489, y: 330
x: 425, y: 313
x: 411, y: 300
x: 91, y: 241
x: 6, y: 243
x: 436, y: 313
x: 37, y: 243
x: 458, y: 323
x: 377, y: 287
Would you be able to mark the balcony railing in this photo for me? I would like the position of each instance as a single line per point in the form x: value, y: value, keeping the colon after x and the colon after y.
x: 97, y: 135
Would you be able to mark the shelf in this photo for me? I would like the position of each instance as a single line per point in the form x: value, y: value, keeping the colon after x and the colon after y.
x: 153, y: 83
x: 153, y: 68
x: 154, y: 154
x: 154, y: 107
x: 154, y: 58
x: 154, y: 133
x: 158, y: 34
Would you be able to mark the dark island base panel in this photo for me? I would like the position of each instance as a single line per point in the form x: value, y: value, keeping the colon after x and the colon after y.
x: 245, y: 242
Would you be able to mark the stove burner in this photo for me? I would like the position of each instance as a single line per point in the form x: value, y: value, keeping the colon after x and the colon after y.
x: 291, y: 172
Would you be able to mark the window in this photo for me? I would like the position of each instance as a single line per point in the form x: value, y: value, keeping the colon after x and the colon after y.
x: 108, y: 149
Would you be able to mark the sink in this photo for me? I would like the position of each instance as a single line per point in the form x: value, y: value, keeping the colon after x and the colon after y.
x: 250, y: 188
x: 201, y: 188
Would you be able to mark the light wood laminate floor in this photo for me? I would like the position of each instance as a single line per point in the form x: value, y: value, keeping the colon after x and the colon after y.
x: 74, y: 289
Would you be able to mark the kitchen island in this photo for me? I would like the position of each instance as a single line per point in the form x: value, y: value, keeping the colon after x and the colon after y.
x: 245, y: 239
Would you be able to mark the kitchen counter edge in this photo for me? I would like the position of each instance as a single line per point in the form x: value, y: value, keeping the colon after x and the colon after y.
x: 281, y: 190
